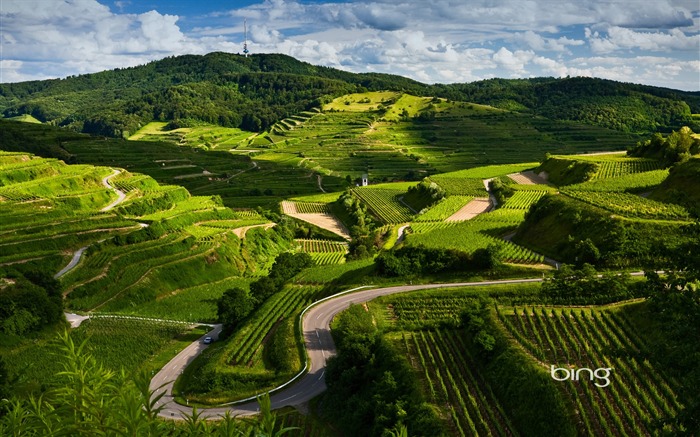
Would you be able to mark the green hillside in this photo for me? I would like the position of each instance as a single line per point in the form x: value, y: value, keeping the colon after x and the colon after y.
x: 256, y: 92
x: 681, y: 186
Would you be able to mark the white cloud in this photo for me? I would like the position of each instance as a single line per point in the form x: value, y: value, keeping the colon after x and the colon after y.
x: 537, y: 42
x: 262, y: 35
x: 619, y: 38
x: 513, y: 62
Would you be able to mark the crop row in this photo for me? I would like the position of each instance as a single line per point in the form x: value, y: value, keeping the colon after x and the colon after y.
x: 630, y: 205
x: 468, y: 237
x: 327, y: 258
x: 311, y: 208
x: 523, y: 199
x: 449, y: 372
x: 129, y: 182
x: 611, y: 169
x: 454, y: 186
x: 248, y: 340
x: 385, y: 204
x: 322, y: 246
x: 444, y: 209
x: 637, y: 396
x: 635, y: 181
x: 127, y: 270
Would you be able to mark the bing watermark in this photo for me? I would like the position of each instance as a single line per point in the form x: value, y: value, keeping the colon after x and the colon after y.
x: 600, y: 374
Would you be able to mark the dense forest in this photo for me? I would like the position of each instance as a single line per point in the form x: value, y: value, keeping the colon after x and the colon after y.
x: 230, y: 90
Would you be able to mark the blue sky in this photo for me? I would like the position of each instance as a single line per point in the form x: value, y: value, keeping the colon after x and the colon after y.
x: 655, y: 42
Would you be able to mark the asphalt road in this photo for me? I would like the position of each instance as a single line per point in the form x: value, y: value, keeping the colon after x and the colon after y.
x: 73, y: 262
x: 120, y: 194
x: 319, y: 346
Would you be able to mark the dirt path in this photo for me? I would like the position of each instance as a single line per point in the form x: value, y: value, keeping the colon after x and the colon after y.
x: 120, y: 194
x: 319, y: 179
x: 240, y: 232
x: 402, y: 233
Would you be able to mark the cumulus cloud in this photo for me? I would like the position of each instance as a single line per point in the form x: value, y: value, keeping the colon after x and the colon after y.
x: 435, y: 41
x: 513, y: 62
x: 85, y: 36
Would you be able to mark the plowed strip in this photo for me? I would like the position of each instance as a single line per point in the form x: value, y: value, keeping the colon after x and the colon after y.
x: 477, y: 206
x: 528, y: 177
x: 325, y: 221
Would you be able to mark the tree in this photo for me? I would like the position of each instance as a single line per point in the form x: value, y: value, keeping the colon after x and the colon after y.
x: 233, y: 307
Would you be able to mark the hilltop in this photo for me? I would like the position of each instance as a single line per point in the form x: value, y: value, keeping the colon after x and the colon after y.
x: 255, y: 92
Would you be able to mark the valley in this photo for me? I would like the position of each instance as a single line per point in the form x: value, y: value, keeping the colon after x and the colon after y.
x: 487, y: 245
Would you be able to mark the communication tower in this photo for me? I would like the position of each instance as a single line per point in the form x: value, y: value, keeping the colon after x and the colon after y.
x: 245, y: 41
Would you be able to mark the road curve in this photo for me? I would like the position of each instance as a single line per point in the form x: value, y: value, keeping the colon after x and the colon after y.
x: 120, y: 194
x: 319, y: 345
x: 73, y: 262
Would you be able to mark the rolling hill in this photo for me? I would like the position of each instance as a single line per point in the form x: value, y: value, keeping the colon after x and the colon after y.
x: 257, y: 91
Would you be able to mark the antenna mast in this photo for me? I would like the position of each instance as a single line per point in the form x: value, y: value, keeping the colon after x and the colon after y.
x: 245, y: 42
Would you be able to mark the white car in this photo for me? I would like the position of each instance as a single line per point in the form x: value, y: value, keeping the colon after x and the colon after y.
x: 208, y: 340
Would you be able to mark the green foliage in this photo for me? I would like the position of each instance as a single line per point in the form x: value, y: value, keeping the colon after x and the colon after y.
x: 84, y: 398
x: 424, y: 195
x: 474, y: 318
x: 443, y: 209
x: 571, y: 286
x: 354, y: 213
x: 281, y: 351
x: 678, y: 146
x: 28, y: 302
x: 557, y: 225
x: 681, y: 186
x: 630, y: 205
x: 233, y: 307
x: 387, y: 204
x: 635, y: 182
x: 673, y: 319
x: 567, y: 171
x: 412, y: 261
x: 501, y: 188
x: 615, y: 105
x: 371, y: 388
x: 534, y: 404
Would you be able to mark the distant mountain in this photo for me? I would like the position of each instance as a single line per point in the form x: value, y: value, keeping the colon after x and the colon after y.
x: 254, y: 92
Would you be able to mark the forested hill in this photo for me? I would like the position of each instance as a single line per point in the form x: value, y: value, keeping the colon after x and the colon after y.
x: 254, y: 92
x: 616, y: 105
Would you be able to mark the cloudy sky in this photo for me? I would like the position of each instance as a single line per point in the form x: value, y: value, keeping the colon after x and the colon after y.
x: 655, y: 42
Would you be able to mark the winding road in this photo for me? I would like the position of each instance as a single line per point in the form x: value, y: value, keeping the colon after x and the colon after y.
x: 310, y: 382
x: 120, y: 194
x: 73, y: 262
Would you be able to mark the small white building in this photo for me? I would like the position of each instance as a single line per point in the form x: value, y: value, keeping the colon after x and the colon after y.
x: 365, y: 179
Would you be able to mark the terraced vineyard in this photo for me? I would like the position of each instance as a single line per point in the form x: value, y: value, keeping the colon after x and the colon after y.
x: 324, y: 252
x: 449, y: 372
x: 630, y: 182
x: 630, y: 205
x: 385, y: 204
x: 444, y: 209
x: 638, y: 395
x: 523, y: 199
x: 240, y: 362
x: 474, y: 234
x: 622, y: 167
